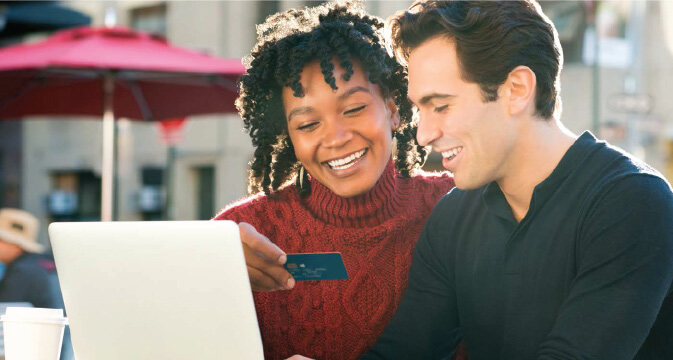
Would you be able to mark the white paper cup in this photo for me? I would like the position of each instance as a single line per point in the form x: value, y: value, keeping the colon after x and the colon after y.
x: 33, y: 333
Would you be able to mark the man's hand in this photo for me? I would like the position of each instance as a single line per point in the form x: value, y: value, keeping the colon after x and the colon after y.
x: 264, y: 260
x: 298, y: 357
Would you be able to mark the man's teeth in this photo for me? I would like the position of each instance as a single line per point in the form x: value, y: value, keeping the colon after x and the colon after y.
x: 452, y: 153
x: 345, y: 163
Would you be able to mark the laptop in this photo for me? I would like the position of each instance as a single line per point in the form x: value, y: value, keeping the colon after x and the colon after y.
x: 159, y: 290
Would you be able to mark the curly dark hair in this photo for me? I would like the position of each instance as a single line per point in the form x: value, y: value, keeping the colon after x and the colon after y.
x: 286, y: 43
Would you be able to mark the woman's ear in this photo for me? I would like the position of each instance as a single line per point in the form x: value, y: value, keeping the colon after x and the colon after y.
x: 521, y: 84
x: 393, y: 114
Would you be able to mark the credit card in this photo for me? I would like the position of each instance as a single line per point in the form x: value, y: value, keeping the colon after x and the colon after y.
x: 316, y: 266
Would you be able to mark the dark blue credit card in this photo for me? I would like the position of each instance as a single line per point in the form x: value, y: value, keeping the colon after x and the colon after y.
x: 317, y: 266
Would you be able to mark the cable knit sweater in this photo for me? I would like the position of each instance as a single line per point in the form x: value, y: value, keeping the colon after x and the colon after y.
x: 375, y: 233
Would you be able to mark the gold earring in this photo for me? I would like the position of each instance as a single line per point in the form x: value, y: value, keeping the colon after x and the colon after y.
x: 304, y: 187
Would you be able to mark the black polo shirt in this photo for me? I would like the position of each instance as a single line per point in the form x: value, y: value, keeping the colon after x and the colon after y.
x: 586, y: 274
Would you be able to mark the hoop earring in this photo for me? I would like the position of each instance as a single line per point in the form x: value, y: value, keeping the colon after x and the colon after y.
x: 301, y: 177
x: 303, y: 184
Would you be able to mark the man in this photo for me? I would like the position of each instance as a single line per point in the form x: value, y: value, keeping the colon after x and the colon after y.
x: 25, y: 277
x: 553, y: 246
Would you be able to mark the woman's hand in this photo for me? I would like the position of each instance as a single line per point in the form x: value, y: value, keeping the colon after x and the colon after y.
x: 264, y: 260
x: 298, y: 357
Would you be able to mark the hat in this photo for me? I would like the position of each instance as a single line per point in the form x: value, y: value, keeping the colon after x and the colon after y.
x: 20, y: 227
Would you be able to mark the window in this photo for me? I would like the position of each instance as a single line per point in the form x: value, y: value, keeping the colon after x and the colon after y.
x: 75, y: 196
x: 205, y: 192
x: 151, y: 199
x: 570, y: 20
x: 151, y: 19
x: 266, y: 8
x: 11, y: 158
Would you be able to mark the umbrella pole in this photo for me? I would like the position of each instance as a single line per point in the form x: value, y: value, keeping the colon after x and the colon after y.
x: 108, y: 148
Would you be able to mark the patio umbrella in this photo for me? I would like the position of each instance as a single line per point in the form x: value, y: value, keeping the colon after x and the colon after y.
x: 18, y: 18
x: 113, y: 72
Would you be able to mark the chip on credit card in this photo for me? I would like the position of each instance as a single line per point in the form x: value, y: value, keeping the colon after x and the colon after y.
x: 316, y: 266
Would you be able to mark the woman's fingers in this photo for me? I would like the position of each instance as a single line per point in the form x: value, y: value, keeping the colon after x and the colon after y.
x: 276, y: 273
x: 261, y: 282
x: 264, y: 268
x: 261, y: 244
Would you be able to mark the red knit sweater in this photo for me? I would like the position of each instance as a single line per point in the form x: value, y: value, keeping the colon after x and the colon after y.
x: 375, y: 233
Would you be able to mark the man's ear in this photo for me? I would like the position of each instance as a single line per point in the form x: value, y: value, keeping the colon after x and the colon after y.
x: 521, y: 86
x: 393, y: 114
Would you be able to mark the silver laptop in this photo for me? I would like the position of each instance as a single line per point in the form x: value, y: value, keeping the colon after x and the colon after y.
x: 156, y: 290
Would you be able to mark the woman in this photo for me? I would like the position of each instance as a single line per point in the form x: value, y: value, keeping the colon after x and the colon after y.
x: 324, y: 103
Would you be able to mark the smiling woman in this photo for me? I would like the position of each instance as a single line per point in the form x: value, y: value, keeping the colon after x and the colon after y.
x: 322, y: 50
x: 342, y: 138
x: 322, y: 101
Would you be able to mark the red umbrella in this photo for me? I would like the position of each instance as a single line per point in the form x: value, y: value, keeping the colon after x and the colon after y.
x: 114, y: 72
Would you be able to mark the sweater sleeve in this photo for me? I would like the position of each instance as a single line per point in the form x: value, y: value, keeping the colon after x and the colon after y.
x: 244, y: 210
x: 425, y: 325
x: 624, y: 273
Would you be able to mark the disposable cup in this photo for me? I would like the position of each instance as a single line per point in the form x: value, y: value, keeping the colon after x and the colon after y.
x: 33, y: 333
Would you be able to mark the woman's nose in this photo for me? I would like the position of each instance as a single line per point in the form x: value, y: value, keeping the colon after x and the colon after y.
x: 337, y: 135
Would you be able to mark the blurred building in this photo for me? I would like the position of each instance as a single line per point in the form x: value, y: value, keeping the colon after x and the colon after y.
x: 621, y: 97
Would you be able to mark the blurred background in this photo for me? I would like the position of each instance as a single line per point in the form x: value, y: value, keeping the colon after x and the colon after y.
x: 618, y: 64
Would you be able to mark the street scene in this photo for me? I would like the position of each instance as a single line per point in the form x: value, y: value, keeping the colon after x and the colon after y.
x: 127, y: 110
x: 52, y: 164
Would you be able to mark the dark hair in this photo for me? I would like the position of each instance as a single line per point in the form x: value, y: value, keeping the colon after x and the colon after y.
x: 287, y: 41
x: 492, y: 38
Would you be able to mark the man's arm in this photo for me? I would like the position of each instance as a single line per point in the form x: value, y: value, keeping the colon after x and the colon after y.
x: 624, y: 272
x: 426, y: 321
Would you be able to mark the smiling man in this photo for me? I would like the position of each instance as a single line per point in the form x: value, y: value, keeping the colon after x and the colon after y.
x: 552, y: 246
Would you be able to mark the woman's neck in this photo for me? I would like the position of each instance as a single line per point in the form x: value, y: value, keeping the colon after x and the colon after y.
x: 369, y: 209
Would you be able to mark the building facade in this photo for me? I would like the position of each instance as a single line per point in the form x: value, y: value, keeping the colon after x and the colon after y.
x: 60, y: 160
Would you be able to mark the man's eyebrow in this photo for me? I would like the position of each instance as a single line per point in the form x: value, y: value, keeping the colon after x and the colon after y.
x: 352, y: 91
x: 425, y: 99
x: 299, y: 111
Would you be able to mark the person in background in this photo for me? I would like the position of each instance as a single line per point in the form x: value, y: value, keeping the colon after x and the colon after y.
x: 324, y: 104
x: 24, y: 271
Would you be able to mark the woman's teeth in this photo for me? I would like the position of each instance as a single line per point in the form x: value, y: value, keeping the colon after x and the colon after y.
x: 452, y: 153
x: 348, y: 161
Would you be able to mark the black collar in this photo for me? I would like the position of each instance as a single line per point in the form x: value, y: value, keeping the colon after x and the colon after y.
x: 582, y: 147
